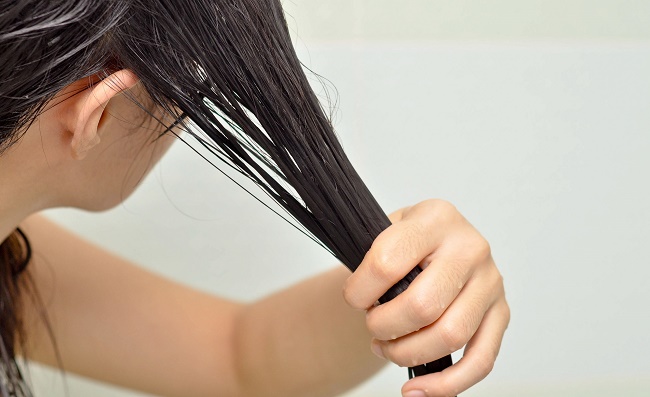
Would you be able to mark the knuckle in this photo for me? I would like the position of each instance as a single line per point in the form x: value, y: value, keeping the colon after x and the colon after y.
x: 347, y: 295
x: 481, y: 248
x: 440, y: 211
x: 500, y: 280
x: 452, y: 336
x: 424, y: 308
x: 374, y: 326
x: 440, y: 205
x: 351, y: 298
x: 383, y: 267
x: 447, y: 210
x: 398, y: 354
x: 506, y: 313
x: 491, y: 280
x: 483, y: 365
x: 494, y: 285
x: 498, y: 283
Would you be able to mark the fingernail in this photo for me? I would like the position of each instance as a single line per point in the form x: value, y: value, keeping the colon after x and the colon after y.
x: 415, y: 393
x: 374, y: 346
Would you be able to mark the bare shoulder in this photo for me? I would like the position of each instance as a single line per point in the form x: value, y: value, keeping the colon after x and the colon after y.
x: 38, y: 224
x: 60, y: 247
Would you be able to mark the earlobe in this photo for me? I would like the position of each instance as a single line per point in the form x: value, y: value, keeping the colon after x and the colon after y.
x: 91, y: 108
x: 80, y: 148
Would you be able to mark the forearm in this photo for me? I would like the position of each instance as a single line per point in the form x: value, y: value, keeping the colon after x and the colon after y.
x: 304, y: 341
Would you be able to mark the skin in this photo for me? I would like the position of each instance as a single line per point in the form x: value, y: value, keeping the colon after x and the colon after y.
x: 121, y: 324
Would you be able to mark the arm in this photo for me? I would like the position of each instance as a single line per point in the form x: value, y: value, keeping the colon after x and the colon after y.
x: 458, y: 300
x: 121, y: 324
x: 305, y: 341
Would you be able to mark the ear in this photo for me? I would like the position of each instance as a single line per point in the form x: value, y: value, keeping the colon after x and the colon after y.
x: 91, y: 106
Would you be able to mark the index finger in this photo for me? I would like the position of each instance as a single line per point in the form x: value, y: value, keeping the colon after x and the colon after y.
x: 393, y: 254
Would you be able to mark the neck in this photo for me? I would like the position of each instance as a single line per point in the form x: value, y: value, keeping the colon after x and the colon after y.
x: 22, y: 193
x: 14, y: 210
x: 8, y: 224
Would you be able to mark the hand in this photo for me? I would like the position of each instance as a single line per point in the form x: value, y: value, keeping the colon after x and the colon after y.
x: 458, y: 300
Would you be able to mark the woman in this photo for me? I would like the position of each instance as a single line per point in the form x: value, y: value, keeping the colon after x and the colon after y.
x: 91, y: 93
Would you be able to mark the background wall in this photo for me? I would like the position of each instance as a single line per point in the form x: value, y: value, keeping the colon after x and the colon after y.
x: 531, y: 116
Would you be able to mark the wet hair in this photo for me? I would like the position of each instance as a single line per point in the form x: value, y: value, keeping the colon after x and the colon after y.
x: 227, y: 72
x: 15, y: 254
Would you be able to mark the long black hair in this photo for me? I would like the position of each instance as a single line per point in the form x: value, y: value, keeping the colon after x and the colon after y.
x: 227, y: 72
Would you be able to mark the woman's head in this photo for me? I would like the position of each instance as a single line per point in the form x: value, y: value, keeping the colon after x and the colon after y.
x: 76, y: 126
x: 88, y: 148
x: 46, y: 46
x: 192, y: 58
x: 75, y: 71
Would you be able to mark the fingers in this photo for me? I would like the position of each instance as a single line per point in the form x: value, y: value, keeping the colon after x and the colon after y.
x: 397, y: 250
x: 452, y: 330
x: 477, y: 362
x: 431, y: 293
x: 457, y: 300
x: 423, y: 302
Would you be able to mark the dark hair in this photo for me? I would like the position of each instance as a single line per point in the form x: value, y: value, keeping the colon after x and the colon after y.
x: 15, y: 254
x: 227, y: 66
